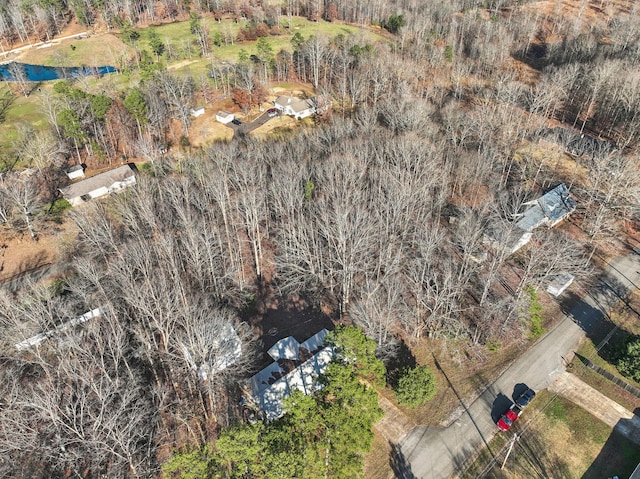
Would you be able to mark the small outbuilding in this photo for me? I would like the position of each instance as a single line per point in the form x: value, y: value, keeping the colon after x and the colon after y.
x: 225, y: 117
x: 559, y: 284
x: 196, y: 112
x: 75, y: 172
x: 99, y: 185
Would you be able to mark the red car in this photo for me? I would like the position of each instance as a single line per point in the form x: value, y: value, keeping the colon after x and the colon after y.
x: 509, y: 417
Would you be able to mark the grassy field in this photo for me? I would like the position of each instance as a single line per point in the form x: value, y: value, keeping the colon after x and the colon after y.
x: 24, y: 110
x: 558, y: 439
x: 178, y: 35
x: 99, y: 50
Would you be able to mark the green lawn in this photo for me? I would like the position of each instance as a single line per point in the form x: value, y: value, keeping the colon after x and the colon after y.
x: 178, y: 34
x: 24, y: 110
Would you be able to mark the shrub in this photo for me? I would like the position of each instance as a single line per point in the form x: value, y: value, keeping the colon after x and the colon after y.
x: 535, y: 314
x: 629, y: 362
x: 415, y: 386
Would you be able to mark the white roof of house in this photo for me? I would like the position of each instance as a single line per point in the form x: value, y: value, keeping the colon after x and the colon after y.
x: 224, y: 351
x: 224, y: 114
x: 504, y: 236
x: 532, y: 218
x: 39, y: 338
x: 315, y: 342
x: 296, y: 104
x: 102, y: 180
x: 557, y: 203
x: 286, y: 348
x: 304, y: 378
x: 272, y: 384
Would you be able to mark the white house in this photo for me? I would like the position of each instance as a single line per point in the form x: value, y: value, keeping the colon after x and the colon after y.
x: 224, y: 117
x: 296, y: 366
x: 506, y: 237
x: 39, y: 338
x: 76, y: 171
x: 224, y: 350
x: 295, y: 106
x: 100, y: 185
x: 196, y: 112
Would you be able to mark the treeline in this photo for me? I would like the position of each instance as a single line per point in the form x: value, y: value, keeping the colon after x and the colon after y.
x: 44, y: 19
x: 377, y: 214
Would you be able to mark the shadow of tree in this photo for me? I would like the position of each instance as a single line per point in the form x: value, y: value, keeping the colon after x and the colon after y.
x: 399, y: 465
x: 618, y: 457
x: 397, y: 358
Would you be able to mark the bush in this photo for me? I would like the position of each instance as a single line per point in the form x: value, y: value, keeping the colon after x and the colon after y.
x: 629, y: 362
x: 415, y: 386
x: 58, y: 208
x: 535, y: 314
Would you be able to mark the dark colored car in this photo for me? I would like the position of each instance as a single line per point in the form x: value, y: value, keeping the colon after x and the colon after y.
x: 525, y: 398
x: 508, y: 418
x: 235, y: 121
x: 272, y: 112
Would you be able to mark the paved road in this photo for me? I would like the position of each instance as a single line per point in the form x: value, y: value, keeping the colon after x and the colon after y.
x: 435, y: 453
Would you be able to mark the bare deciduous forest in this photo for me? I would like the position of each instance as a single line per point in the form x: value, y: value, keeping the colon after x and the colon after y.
x: 377, y: 215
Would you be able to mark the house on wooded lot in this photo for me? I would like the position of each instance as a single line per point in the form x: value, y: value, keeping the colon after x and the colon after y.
x: 296, y: 366
x: 224, y: 350
x: 295, y: 107
x: 551, y: 208
x: 506, y: 237
x: 99, y: 185
x: 224, y: 117
x: 39, y: 338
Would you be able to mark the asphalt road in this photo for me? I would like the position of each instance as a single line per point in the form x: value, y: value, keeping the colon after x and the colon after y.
x: 436, y: 453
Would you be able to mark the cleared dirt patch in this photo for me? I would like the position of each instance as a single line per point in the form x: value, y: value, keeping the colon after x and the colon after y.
x: 21, y: 256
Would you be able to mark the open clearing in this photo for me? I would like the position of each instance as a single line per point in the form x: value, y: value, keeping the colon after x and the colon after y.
x: 97, y: 50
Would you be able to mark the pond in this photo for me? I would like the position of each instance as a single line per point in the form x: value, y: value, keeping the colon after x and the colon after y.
x: 14, y: 71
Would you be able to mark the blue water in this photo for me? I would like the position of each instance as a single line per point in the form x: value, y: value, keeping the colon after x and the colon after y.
x: 44, y: 73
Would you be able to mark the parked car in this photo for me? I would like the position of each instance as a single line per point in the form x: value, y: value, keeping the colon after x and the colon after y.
x: 508, y: 418
x: 525, y: 398
x: 272, y: 112
x: 235, y: 121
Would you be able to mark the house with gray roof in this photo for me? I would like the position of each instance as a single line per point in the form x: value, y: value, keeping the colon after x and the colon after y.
x: 550, y: 209
x: 295, y: 107
x: 296, y: 366
x: 99, y: 185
